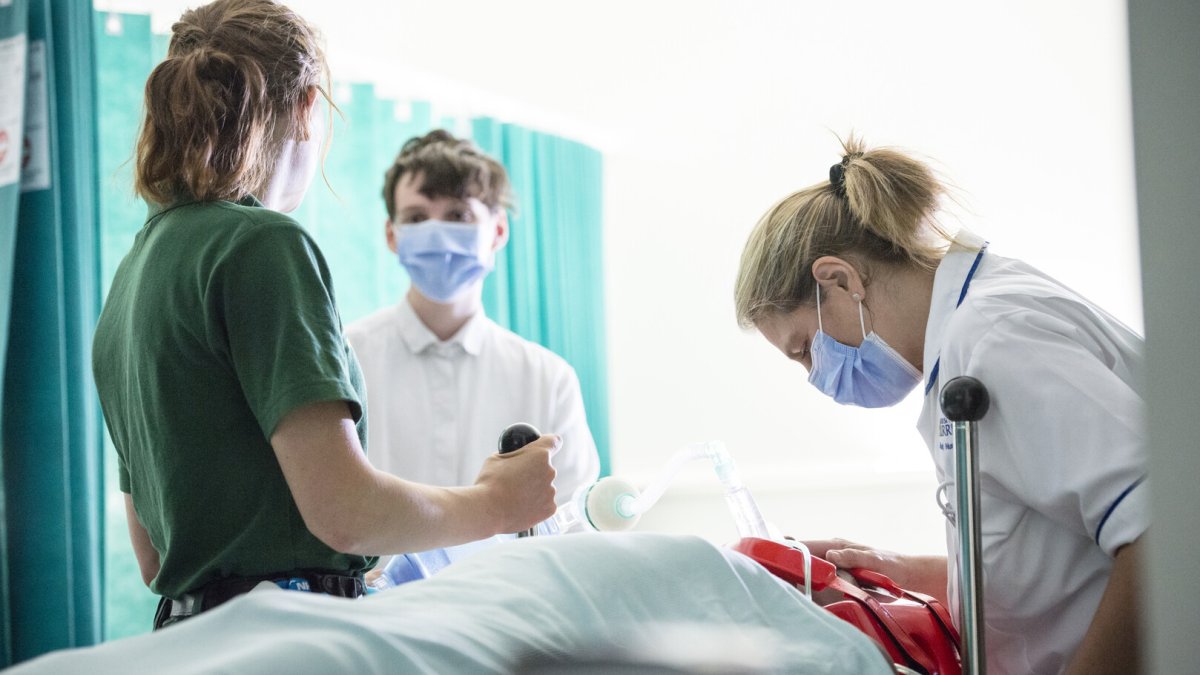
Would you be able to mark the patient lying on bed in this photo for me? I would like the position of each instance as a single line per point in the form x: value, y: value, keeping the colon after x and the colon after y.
x: 536, y: 600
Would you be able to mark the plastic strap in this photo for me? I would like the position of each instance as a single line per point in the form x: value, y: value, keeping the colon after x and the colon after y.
x: 929, y: 602
x: 939, y: 613
x: 899, y: 635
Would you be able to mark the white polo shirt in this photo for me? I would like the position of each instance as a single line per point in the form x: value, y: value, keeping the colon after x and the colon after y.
x: 1062, y: 451
x: 436, y: 409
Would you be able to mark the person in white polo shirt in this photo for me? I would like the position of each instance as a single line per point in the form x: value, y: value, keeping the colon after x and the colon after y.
x: 443, y: 380
x: 853, y: 278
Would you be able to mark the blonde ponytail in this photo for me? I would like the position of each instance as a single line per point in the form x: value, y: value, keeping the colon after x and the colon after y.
x: 894, y: 197
x: 877, y: 207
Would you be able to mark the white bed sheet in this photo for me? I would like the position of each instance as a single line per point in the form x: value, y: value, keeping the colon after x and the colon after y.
x: 550, y: 596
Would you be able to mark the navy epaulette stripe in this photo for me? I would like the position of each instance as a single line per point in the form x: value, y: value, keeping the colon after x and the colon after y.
x: 933, y: 372
x: 933, y: 375
x: 970, y: 275
x: 1100, y: 527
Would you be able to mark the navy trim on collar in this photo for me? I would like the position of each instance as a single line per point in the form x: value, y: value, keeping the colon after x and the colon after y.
x: 933, y: 372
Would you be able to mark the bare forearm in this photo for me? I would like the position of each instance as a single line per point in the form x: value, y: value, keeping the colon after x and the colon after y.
x: 354, y: 508
x: 929, y: 576
x: 396, y: 516
x: 1112, y: 643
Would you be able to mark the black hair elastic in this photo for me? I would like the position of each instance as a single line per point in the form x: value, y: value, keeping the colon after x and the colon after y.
x: 837, y: 178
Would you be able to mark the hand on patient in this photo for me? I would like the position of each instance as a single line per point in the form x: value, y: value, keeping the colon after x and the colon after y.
x: 519, y: 485
x: 921, y: 573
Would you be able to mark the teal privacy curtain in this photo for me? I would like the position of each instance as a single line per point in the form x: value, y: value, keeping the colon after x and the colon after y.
x: 126, y: 51
x: 52, y: 492
x: 14, y: 21
x: 548, y: 285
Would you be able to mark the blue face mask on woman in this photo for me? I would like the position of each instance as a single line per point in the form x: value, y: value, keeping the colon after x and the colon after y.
x: 444, y: 258
x: 872, y: 375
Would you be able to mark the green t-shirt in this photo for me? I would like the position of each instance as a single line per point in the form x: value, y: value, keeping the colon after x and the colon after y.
x: 220, y: 321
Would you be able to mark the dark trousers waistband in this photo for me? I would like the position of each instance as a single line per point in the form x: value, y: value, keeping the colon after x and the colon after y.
x: 218, y: 592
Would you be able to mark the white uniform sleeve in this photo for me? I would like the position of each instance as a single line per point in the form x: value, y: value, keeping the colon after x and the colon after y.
x: 577, y: 462
x: 1067, y: 434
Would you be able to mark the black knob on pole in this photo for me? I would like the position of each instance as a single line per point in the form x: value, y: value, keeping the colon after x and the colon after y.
x: 517, y: 436
x: 965, y: 399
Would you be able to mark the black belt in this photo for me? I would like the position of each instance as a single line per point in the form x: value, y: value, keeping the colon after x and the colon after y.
x: 218, y: 592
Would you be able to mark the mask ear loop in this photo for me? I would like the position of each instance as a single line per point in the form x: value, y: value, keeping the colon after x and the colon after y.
x: 820, y: 326
x: 861, y: 323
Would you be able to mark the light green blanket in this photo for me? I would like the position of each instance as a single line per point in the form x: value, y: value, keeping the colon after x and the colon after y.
x: 676, y: 601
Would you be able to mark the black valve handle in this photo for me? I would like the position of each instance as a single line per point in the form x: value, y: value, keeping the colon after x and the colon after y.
x: 517, y: 436
x: 965, y: 399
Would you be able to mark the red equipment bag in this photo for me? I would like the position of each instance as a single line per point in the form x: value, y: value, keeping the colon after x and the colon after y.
x: 914, y: 629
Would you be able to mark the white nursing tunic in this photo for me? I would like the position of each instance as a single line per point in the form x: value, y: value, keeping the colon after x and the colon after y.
x: 1062, y: 452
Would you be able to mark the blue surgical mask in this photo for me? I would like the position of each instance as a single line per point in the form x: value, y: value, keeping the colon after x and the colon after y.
x: 443, y: 259
x: 872, y: 375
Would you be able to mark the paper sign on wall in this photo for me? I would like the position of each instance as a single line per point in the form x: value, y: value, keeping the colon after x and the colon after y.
x: 35, y: 160
x: 12, y: 105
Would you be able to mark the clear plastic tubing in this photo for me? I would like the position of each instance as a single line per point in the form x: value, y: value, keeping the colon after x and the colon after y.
x: 568, y: 515
x: 649, y: 497
x: 745, y: 511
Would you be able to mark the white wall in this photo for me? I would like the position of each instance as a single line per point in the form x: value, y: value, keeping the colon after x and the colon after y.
x: 1026, y: 108
x: 710, y: 111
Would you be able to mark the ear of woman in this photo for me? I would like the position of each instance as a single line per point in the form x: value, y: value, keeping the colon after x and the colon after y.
x: 837, y: 274
x: 306, y: 115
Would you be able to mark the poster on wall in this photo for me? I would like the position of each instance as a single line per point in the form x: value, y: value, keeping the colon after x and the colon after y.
x: 35, y: 150
x: 12, y: 104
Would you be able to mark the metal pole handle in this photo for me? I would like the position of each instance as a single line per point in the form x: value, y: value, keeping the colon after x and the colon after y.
x: 964, y: 402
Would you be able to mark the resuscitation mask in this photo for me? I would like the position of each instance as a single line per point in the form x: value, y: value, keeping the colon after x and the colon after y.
x: 444, y: 258
x: 872, y: 375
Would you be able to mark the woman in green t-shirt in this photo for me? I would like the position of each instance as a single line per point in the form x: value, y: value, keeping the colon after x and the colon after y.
x: 235, y: 405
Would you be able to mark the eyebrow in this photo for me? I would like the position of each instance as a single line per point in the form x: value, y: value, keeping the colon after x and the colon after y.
x: 454, y: 203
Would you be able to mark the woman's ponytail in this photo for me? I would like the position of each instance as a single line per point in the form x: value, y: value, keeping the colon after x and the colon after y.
x: 220, y: 106
x: 878, y: 206
x: 893, y: 196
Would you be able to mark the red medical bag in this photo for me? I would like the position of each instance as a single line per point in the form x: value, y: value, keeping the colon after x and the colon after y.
x: 914, y: 629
